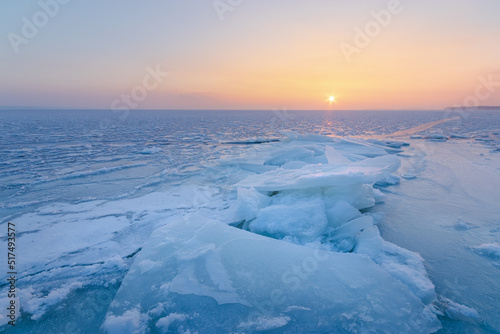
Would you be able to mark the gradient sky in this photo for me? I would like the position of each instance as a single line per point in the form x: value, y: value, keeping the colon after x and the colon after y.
x: 264, y: 54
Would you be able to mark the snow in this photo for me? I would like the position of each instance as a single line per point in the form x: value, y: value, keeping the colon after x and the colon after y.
x: 287, y: 234
x: 164, y: 323
x: 37, y: 304
x: 265, y: 323
x: 299, y: 225
x: 460, y: 225
x: 131, y: 322
x: 389, y: 181
x: 91, y: 242
x: 489, y: 250
x: 457, y: 311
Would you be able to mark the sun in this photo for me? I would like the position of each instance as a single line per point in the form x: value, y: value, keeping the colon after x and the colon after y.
x: 330, y: 98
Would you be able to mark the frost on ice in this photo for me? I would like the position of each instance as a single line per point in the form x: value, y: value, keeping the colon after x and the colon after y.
x: 303, y: 251
x: 491, y: 251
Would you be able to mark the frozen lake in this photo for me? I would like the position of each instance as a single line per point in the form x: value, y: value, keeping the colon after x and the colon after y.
x: 249, y: 221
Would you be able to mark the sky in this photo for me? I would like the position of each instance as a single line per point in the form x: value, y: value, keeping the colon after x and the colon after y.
x: 242, y: 54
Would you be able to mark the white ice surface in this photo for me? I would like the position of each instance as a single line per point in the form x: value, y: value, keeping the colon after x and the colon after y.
x: 293, y: 200
x: 489, y: 250
x: 65, y: 247
x: 225, y: 279
x: 310, y: 201
x: 449, y: 214
x: 319, y: 175
x: 305, y: 221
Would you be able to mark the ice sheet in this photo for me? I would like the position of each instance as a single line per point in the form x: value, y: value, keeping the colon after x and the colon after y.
x: 309, y: 201
x: 90, y: 242
x: 224, y: 279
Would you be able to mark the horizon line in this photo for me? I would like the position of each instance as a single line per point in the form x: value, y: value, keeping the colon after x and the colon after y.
x: 2, y: 108
x: 7, y: 108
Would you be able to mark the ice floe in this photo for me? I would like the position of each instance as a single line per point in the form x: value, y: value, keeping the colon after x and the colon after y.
x: 225, y: 279
x: 304, y: 255
x: 284, y: 241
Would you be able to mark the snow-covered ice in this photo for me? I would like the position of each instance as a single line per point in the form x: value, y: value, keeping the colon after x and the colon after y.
x: 155, y: 230
x: 328, y: 257
x: 225, y: 279
x: 492, y: 250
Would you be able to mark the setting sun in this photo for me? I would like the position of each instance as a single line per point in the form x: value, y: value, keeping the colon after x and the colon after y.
x: 247, y: 166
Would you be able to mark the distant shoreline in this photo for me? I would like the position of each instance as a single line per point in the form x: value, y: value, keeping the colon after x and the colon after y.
x: 474, y: 108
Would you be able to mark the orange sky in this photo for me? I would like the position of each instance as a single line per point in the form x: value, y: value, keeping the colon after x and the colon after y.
x: 262, y: 55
